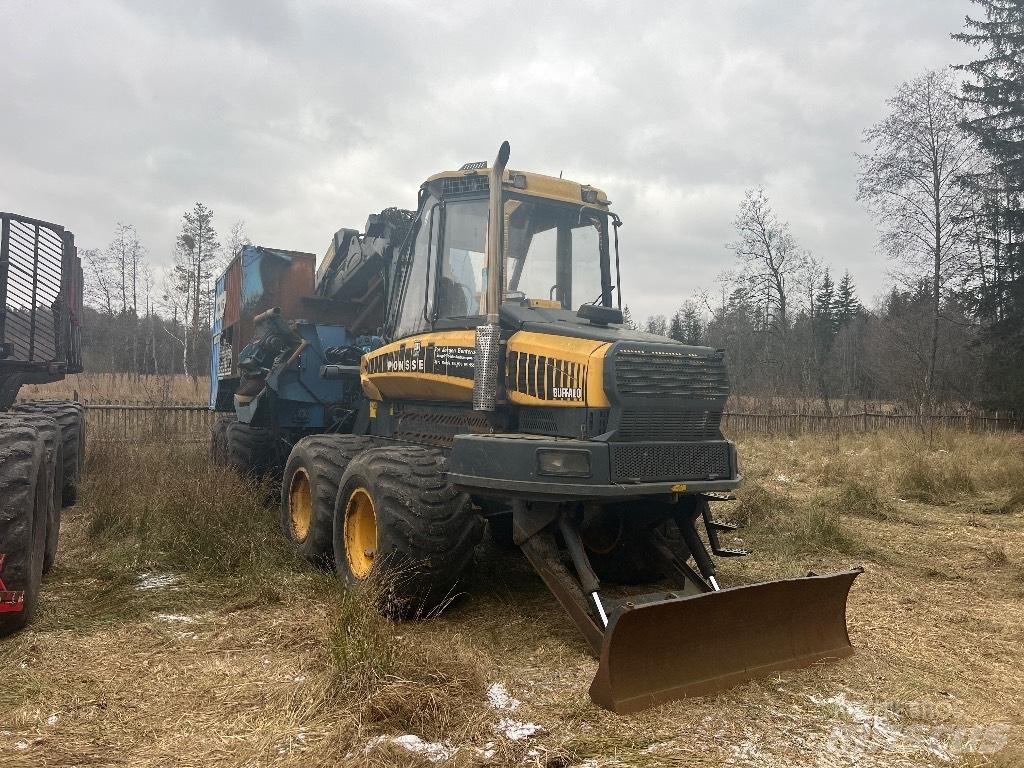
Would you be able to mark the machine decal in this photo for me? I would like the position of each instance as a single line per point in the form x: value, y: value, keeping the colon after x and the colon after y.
x: 11, y: 601
x: 438, y: 359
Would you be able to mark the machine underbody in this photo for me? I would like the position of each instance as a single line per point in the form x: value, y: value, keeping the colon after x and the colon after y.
x: 688, y: 637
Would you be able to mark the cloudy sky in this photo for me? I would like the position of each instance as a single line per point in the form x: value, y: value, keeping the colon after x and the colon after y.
x: 303, y: 117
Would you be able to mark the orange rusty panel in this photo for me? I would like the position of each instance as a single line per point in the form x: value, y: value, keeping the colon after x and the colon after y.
x: 296, y: 283
x: 232, y: 292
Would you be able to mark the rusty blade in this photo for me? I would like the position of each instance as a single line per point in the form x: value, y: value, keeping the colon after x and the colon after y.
x: 692, y: 646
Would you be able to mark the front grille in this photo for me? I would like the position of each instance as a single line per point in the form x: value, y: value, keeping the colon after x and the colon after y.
x: 663, y: 372
x: 453, y: 186
x: 659, y: 424
x: 654, y: 462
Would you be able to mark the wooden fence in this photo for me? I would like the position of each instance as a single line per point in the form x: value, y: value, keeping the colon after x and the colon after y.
x: 191, y: 423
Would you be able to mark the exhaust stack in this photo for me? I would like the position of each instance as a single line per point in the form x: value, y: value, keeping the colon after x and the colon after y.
x: 488, y: 336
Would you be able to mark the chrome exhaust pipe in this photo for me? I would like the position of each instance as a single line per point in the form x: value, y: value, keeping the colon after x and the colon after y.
x: 488, y: 336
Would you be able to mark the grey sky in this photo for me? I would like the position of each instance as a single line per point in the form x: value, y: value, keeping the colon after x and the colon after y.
x: 304, y: 117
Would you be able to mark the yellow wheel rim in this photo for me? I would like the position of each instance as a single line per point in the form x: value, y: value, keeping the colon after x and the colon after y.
x: 300, y: 505
x: 360, y: 533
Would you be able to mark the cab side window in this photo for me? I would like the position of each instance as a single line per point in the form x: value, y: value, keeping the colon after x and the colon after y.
x: 417, y: 298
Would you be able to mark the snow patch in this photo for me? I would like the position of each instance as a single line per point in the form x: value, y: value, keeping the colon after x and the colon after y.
x: 175, y: 617
x: 517, y: 730
x: 52, y: 719
x: 499, y: 698
x: 783, y: 479
x: 435, y: 752
x: 157, y: 580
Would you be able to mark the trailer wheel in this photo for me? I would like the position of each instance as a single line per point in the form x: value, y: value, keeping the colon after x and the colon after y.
x: 310, y: 488
x: 50, y: 431
x: 71, y: 417
x: 219, y: 439
x: 252, y: 450
x: 24, y: 499
x: 402, y: 530
x: 619, y: 539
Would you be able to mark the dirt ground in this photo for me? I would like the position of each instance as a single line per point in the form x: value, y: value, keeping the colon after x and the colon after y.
x: 130, y: 666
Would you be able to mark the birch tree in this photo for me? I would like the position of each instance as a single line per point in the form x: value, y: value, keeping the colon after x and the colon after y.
x: 912, y: 182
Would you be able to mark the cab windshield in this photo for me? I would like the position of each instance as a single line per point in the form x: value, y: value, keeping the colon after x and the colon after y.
x: 555, y: 254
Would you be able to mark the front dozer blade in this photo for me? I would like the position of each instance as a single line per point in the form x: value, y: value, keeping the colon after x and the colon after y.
x: 662, y: 650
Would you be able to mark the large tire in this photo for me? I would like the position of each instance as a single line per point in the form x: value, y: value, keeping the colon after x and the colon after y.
x: 252, y: 450
x: 310, y: 488
x: 402, y: 530
x: 71, y: 417
x: 219, y: 439
x: 50, y: 431
x: 24, y: 499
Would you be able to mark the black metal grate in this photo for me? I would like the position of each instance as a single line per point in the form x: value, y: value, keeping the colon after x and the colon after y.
x: 643, y: 372
x: 34, y: 256
x: 453, y: 186
x: 653, y: 462
x: 661, y: 424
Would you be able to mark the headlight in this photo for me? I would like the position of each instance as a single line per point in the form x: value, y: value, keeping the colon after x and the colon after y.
x: 569, y: 463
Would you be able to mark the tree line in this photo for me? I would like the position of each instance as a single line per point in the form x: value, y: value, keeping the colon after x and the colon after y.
x: 134, y: 323
x: 942, y: 175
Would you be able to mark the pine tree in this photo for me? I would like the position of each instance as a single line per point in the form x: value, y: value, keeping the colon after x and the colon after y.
x: 627, y: 318
x: 675, y: 326
x: 824, y: 303
x: 197, y: 249
x: 847, y: 305
x: 994, y: 95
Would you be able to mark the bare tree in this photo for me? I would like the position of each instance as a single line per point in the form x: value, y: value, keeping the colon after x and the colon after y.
x: 912, y: 182
x: 769, y: 252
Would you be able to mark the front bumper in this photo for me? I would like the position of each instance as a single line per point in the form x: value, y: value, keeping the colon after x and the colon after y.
x: 502, y: 464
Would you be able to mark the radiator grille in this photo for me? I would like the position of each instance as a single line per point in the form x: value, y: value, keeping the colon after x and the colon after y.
x: 643, y: 372
x: 658, y: 424
x: 654, y: 462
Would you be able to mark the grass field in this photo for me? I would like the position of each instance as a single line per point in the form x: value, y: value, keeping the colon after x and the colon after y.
x: 123, y: 388
x: 178, y: 630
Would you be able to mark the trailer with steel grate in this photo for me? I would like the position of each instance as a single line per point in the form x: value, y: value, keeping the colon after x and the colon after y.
x: 42, y: 444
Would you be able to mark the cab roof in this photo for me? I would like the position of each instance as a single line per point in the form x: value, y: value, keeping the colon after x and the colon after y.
x: 473, y: 177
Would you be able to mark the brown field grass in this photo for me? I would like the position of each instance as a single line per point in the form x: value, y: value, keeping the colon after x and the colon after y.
x: 123, y: 388
x: 178, y: 630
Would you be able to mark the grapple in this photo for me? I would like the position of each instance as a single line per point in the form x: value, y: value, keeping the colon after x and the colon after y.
x: 694, y: 639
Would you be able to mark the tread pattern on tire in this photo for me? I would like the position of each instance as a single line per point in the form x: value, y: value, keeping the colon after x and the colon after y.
x: 325, y: 458
x: 426, y: 530
x: 52, y: 435
x: 22, y: 517
x: 251, y: 450
x: 71, y: 417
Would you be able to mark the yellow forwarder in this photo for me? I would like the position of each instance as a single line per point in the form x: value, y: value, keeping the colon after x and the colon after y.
x: 483, y: 373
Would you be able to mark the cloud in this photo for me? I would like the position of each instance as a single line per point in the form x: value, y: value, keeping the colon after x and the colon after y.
x: 304, y: 117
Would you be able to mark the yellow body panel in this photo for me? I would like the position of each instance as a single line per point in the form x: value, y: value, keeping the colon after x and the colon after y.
x: 540, y: 369
x: 560, y: 371
x: 427, y: 366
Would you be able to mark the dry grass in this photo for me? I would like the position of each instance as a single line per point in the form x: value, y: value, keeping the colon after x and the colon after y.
x: 122, y: 388
x: 245, y: 657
